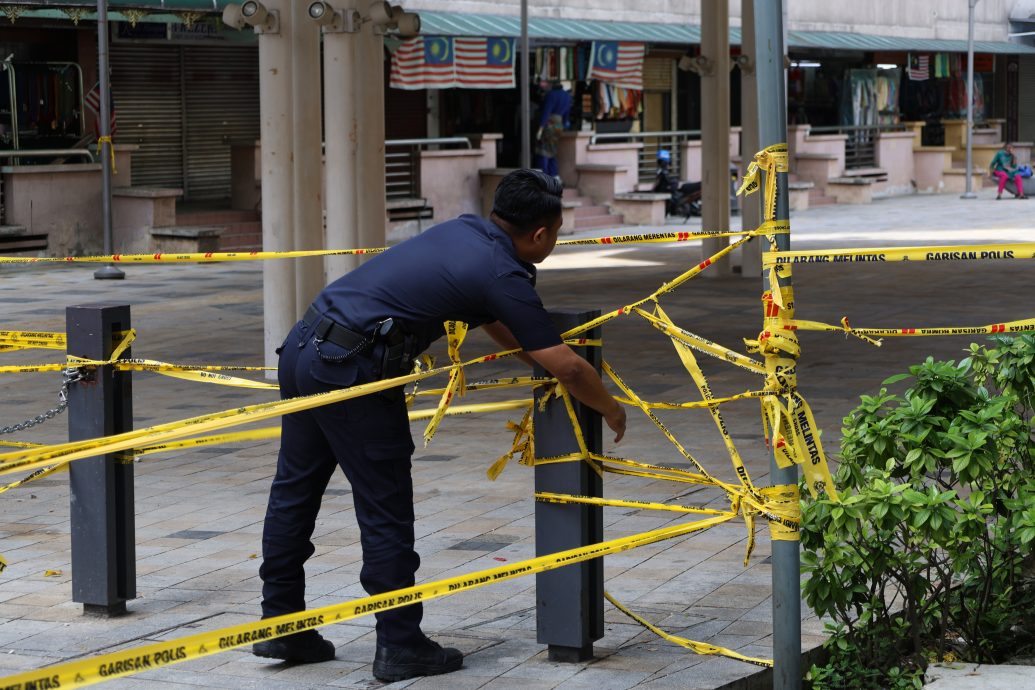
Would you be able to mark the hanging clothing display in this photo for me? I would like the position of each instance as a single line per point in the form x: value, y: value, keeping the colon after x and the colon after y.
x: 616, y: 103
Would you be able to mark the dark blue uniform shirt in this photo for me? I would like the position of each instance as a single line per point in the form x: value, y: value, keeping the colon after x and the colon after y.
x: 464, y: 269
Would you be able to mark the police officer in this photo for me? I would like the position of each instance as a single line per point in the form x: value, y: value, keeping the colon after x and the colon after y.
x: 369, y: 325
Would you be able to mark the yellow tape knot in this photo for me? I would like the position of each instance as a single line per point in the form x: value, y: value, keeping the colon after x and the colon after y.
x: 850, y: 331
x: 101, y: 141
x: 770, y: 160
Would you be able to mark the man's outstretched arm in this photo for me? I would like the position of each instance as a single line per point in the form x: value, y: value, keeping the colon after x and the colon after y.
x: 576, y: 374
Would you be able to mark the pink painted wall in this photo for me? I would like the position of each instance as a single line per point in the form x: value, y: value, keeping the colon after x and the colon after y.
x: 449, y: 180
x: 625, y: 155
x: 895, y: 155
x: 63, y: 201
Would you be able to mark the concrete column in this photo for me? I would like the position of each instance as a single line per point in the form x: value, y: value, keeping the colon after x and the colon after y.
x: 370, y: 117
x: 715, y: 128
x: 341, y: 135
x: 280, y: 309
x: 750, y: 208
x: 307, y: 162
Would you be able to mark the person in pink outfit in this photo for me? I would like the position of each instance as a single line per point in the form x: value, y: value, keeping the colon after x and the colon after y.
x: 1003, y: 167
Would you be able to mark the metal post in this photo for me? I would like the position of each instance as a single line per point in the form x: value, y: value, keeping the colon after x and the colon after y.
x: 341, y: 133
x: 715, y: 129
x: 108, y: 272
x: 307, y: 201
x: 768, y: 53
x: 526, y: 115
x: 101, y: 489
x: 969, y: 194
x: 570, y: 600
x: 278, y: 277
x: 750, y: 212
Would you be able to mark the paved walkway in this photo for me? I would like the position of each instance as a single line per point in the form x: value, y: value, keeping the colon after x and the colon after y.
x: 199, y: 512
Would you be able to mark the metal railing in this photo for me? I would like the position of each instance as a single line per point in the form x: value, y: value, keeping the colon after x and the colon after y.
x: 48, y: 153
x: 652, y: 143
x: 402, y: 163
x: 861, y: 142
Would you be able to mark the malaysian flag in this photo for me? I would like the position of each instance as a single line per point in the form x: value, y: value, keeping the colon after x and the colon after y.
x: 919, y: 67
x: 619, y: 63
x: 439, y: 62
x: 484, y: 63
x: 424, y: 62
x: 92, y: 101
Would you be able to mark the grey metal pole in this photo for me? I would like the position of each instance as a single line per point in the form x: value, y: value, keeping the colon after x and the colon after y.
x: 969, y: 194
x: 108, y: 272
x: 569, y: 601
x: 526, y: 115
x: 101, y: 512
x: 768, y: 52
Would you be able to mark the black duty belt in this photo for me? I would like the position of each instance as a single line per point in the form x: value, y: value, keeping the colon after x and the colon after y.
x: 326, y: 328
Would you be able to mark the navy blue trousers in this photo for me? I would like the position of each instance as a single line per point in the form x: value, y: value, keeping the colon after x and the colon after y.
x: 369, y: 439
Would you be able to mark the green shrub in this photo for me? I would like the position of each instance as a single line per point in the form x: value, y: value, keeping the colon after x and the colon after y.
x: 923, y: 555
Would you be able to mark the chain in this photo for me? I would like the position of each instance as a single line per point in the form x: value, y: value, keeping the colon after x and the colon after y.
x: 68, y: 377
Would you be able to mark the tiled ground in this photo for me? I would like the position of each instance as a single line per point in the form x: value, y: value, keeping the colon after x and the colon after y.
x: 199, y: 512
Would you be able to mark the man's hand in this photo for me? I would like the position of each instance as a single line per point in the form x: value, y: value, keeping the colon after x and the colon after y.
x: 616, y: 421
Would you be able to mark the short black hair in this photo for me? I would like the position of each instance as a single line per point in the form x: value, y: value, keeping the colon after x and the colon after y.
x: 528, y: 199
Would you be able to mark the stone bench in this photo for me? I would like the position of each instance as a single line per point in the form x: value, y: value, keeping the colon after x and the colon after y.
x: 601, y: 181
x: 568, y: 216
x: 955, y: 179
x: 16, y: 238
x: 851, y: 190
x: 136, y: 211
x: 798, y: 194
x: 185, y: 240
x: 878, y: 174
x: 408, y: 209
x: 817, y: 167
x: 641, y: 208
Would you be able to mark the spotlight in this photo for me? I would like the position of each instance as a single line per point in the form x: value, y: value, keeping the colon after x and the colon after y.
x: 321, y: 13
x: 408, y: 24
x: 380, y: 12
x: 233, y: 18
x: 255, y: 14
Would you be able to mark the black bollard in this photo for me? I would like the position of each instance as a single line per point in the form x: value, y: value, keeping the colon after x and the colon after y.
x: 569, y: 600
x: 101, y: 488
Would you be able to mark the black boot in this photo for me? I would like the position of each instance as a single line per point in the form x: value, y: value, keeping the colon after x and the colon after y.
x: 306, y: 647
x: 427, y: 658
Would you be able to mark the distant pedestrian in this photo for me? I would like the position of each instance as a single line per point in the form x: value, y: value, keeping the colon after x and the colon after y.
x: 1003, y: 167
x: 553, y: 118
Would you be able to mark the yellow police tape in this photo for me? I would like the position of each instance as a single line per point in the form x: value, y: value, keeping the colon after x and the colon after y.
x: 24, y: 340
x: 1019, y: 326
x: 770, y: 160
x: 956, y: 252
x: 211, y: 257
x: 697, y: 647
x: 74, y: 674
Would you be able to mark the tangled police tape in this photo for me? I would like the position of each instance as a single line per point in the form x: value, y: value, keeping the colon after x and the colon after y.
x: 790, y: 431
x: 75, y: 674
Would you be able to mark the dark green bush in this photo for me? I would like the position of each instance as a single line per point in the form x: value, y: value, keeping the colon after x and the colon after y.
x: 923, y: 557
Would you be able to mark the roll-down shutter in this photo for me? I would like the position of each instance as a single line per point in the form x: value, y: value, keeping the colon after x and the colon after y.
x: 222, y: 106
x: 145, y: 86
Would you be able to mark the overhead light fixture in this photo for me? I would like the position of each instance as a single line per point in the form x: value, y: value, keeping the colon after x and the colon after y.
x: 804, y: 63
x: 380, y: 12
x: 333, y: 21
x: 233, y: 18
x: 255, y: 14
x: 406, y: 23
x: 884, y: 65
x: 320, y: 12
